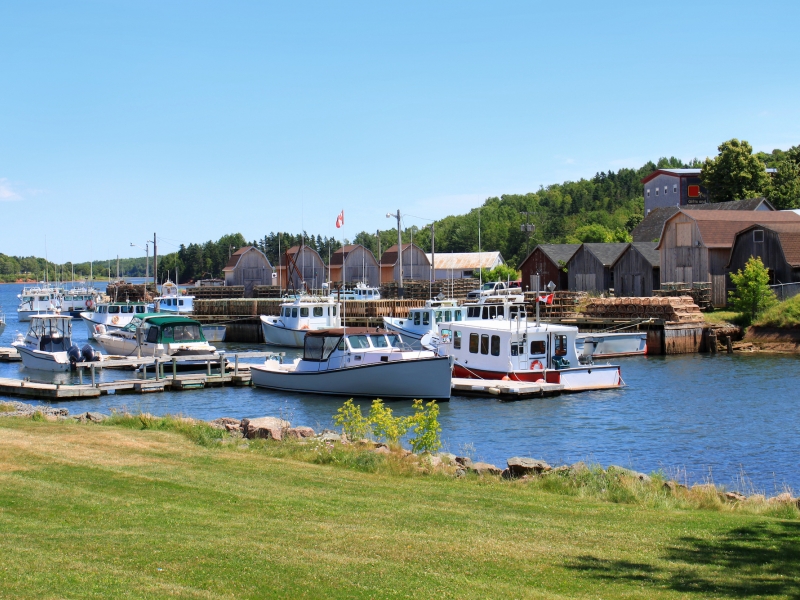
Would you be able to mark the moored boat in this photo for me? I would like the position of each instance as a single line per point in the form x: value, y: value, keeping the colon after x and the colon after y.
x: 37, y: 300
x: 299, y: 317
x: 76, y: 300
x: 109, y: 316
x: 362, y: 362
x: 172, y: 300
x: 48, y: 345
x: 361, y: 291
x: 157, y: 334
x: 424, y: 321
x: 608, y: 345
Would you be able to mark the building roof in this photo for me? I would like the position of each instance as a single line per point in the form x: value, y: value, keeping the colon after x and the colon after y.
x: 607, y: 254
x: 747, y: 204
x: 555, y: 252
x: 653, y: 224
x: 650, y: 252
x: 718, y: 228
x: 789, y: 236
x: 673, y: 172
x: 340, y: 256
x: 466, y: 260
x: 236, y: 256
x: 295, y: 250
x: 390, y: 256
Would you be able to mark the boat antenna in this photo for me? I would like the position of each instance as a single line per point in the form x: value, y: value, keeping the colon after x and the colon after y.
x: 480, y: 253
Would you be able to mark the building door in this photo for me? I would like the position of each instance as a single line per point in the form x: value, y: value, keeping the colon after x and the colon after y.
x: 638, y: 289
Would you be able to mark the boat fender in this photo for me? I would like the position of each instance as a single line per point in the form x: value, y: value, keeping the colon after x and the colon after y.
x: 100, y: 329
x: 537, y: 365
x: 506, y: 378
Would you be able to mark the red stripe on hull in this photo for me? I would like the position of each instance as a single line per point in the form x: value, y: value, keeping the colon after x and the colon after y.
x: 549, y: 376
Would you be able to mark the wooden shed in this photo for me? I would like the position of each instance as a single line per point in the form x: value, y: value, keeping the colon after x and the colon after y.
x: 696, y: 245
x: 591, y: 267
x: 550, y: 262
x: 637, y: 270
x: 248, y: 266
x: 354, y: 263
x: 776, y: 244
x: 309, y: 265
x: 415, y: 264
x: 462, y: 265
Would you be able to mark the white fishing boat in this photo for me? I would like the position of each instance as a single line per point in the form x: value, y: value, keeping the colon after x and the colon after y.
x: 37, y: 300
x: 156, y: 334
x: 513, y: 349
x: 109, y: 316
x: 48, y: 345
x: 361, y: 291
x: 425, y: 321
x: 172, y: 300
x: 370, y: 363
x: 609, y: 344
x: 297, y: 318
x: 76, y: 300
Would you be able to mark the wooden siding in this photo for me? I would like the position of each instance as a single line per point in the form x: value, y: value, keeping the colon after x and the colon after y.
x: 769, y: 251
x: 539, y: 262
x: 313, y: 269
x: 415, y: 265
x: 251, y: 270
x: 683, y: 263
x: 587, y: 274
x: 634, y: 276
x: 360, y: 265
x: 717, y: 261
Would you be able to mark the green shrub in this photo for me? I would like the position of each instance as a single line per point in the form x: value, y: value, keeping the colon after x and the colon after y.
x: 752, y: 295
x: 37, y: 416
x: 352, y: 422
x: 385, y: 425
x: 424, y: 424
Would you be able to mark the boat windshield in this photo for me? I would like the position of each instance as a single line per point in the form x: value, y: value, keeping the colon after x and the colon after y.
x: 319, y: 348
x: 395, y: 341
x: 379, y: 341
x: 358, y: 342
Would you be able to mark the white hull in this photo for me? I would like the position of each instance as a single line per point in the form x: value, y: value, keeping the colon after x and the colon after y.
x: 43, y: 361
x: 407, y: 334
x: 590, y: 378
x: 612, y: 344
x: 91, y: 325
x: 2, y: 327
x: 427, y: 378
x: 24, y: 316
x: 214, y: 333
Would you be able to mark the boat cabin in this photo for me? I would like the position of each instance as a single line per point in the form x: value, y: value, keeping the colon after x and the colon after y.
x: 305, y: 313
x: 122, y: 308
x: 350, y: 347
x: 160, y: 329
x: 53, y: 332
x: 436, y: 312
x: 486, y: 348
x: 487, y: 311
x: 360, y: 292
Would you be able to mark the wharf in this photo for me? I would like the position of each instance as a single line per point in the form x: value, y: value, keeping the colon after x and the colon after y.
x: 9, y: 355
x: 506, y: 390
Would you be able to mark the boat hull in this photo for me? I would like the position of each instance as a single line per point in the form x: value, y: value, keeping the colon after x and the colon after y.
x: 91, y: 325
x: 43, y: 361
x: 584, y: 378
x: 608, y: 345
x: 214, y: 333
x: 427, y: 378
x: 281, y: 336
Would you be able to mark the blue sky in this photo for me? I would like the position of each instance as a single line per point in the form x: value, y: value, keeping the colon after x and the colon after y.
x: 196, y: 119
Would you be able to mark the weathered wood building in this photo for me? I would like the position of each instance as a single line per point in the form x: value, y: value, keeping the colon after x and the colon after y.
x: 637, y: 270
x: 591, y: 268
x: 415, y: 264
x: 308, y: 264
x: 776, y: 244
x: 248, y: 266
x: 696, y: 245
x: 550, y: 262
x: 354, y: 263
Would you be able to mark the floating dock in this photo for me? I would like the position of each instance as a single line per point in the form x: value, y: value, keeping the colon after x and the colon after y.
x: 9, y: 355
x: 505, y: 390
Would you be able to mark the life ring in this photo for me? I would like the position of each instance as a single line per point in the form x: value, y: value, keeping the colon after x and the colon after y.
x: 304, y: 327
x: 537, y: 365
x: 115, y: 320
x: 89, y: 304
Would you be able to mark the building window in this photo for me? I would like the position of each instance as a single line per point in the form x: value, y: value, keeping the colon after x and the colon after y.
x: 758, y: 235
x: 648, y: 192
x: 693, y: 191
x: 665, y: 190
x: 656, y: 191
x: 675, y: 189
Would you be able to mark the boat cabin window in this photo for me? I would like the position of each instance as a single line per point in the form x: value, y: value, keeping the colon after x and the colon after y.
x: 379, y: 341
x: 102, y: 309
x: 439, y: 316
x: 484, y: 343
x: 448, y: 315
x: 294, y: 313
x: 320, y: 348
x: 560, y: 345
x: 304, y: 311
x: 473, y: 343
x: 334, y: 311
x: 473, y: 312
x: 457, y: 340
x: 27, y: 298
x: 537, y: 347
x: 517, y: 349
x: 317, y: 311
x: 185, y: 333
x: 358, y: 342
x: 426, y: 318
x: 152, y: 335
x: 395, y: 341
x: 341, y: 344
x: 140, y: 310
x: 458, y: 315
x: 416, y: 317
x: 113, y: 310
x: 180, y: 302
x: 126, y: 310
x: 495, y: 345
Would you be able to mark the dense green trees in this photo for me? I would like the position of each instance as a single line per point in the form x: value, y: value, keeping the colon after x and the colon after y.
x: 735, y: 173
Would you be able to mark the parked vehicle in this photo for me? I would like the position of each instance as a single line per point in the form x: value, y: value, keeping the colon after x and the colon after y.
x: 494, y: 288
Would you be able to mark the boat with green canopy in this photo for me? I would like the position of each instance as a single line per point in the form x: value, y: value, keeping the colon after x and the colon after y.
x: 157, y: 334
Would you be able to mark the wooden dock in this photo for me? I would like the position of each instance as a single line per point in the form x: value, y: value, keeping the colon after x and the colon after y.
x: 9, y: 355
x: 505, y: 390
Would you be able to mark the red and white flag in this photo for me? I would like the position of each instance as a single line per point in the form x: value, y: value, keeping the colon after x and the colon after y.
x: 547, y: 299
x: 340, y: 220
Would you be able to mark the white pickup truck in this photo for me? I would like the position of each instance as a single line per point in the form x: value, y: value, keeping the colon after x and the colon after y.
x: 494, y: 288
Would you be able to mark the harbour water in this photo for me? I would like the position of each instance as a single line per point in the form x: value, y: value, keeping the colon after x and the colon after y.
x: 732, y: 419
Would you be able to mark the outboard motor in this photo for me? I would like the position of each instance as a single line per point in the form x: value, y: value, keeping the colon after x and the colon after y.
x: 74, y: 354
x: 89, y: 354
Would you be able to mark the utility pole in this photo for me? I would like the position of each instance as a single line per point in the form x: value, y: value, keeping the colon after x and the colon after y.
x: 527, y: 228
x: 400, y: 292
x: 433, y: 259
x: 155, y: 265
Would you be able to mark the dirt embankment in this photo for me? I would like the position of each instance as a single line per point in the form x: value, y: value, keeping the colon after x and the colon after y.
x: 774, y: 339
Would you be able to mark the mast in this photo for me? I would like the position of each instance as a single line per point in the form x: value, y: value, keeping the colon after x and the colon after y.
x: 155, y: 265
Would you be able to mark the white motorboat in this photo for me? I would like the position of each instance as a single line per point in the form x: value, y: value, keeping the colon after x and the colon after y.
x: 297, y: 318
x: 172, y: 301
x: 157, y: 334
x: 48, y: 345
x: 79, y: 299
x: 516, y: 350
x: 608, y: 345
x: 363, y: 362
x: 37, y: 300
x: 424, y: 321
x: 109, y: 316
x: 361, y: 291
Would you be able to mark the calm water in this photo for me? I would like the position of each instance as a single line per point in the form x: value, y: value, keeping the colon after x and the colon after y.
x: 693, y: 415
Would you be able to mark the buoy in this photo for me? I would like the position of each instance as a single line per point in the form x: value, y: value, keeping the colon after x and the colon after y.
x: 506, y: 378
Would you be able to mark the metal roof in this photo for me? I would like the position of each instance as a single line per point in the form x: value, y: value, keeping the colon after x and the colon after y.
x: 673, y: 172
x: 466, y: 260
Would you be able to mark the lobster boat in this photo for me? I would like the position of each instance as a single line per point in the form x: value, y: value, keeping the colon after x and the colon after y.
x: 110, y: 316
x: 297, y: 318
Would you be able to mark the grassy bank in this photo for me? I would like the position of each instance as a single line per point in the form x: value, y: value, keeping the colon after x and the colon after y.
x: 118, y: 510
x: 784, y: 314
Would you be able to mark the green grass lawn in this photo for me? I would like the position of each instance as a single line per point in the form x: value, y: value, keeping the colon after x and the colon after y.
x: 110, y: 512
x: 783, y: 314
x: 718, y: 317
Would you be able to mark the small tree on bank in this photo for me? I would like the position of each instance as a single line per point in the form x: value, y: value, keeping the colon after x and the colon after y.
x: 753, y: 294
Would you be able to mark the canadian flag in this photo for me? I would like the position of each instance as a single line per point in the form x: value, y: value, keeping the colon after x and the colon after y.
x: 548, y: 299
x: 340, y: 220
